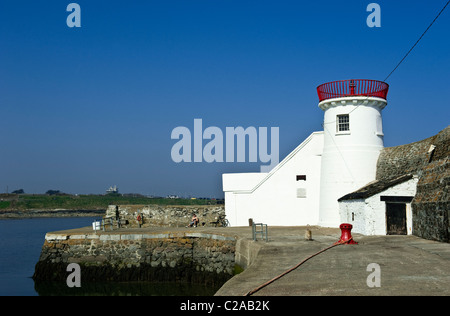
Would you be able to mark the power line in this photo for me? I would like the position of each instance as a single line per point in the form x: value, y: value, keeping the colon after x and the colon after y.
x: 418, y: 40
x: 415, y: 44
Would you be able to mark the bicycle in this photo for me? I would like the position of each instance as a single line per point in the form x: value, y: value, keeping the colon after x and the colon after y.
x: 221, y: 221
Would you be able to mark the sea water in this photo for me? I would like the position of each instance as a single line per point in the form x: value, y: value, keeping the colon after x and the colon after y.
x: 21, y: 241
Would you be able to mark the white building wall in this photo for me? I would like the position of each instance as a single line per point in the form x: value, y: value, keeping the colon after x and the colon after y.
x: 350, y: 157
x: 273, y: 200
x: 368, y: 216
x: 353, y: 212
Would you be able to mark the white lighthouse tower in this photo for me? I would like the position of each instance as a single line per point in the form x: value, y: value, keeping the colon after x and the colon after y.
x: 353, y: 139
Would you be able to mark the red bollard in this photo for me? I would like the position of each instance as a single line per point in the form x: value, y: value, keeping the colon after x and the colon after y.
x: 346, y: 235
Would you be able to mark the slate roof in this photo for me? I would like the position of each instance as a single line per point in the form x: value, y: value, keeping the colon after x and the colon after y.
x: 375, y: 187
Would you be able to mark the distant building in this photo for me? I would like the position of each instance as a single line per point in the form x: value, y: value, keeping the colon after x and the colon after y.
x: 344, y: 174
x: 112, y: 190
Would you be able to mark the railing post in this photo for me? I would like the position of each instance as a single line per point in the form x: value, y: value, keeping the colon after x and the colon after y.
x: 352, y: 87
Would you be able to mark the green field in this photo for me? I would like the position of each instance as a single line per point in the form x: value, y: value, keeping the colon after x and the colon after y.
x: 5, y: 204
x: 87, y: 202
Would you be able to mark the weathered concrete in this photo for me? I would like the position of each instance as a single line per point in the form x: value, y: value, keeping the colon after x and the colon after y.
x: 409, y: 265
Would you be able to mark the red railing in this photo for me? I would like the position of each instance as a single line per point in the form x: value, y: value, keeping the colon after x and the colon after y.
x: 358, y: 87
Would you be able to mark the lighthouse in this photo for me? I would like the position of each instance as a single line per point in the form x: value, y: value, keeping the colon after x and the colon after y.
x: 352, y: 140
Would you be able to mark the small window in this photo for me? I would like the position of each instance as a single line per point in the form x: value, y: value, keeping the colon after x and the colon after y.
x: 301, y: 193
x: 301, y: 177
x: 343, y: 123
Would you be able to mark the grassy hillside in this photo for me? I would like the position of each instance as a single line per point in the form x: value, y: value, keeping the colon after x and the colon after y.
x: 86, y: 202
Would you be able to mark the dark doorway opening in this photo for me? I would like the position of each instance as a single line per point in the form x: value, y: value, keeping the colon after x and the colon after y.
x: 396, y: 218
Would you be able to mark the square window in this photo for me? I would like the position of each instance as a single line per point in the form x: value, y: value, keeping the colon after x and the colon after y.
x: 343, y: 123
x: 301, y: 193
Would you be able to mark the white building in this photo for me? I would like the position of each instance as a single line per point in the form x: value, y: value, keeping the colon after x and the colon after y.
x: 112, y: 190
x: 287, y: 195
x: 304, y: 188
x: 383, y: 207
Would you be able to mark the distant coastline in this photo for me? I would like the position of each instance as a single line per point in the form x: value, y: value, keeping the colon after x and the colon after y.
x: 22, y: 214
x: 14, y: 206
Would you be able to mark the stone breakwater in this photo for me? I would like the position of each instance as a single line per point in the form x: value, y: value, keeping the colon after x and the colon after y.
x: 165, y: 215
x: 193, y: 257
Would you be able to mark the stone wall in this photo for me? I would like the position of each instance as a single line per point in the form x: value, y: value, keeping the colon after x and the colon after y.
x: 195, y: 257
x: 405, y: 159
x: 431, y: 205
x: 166, y: 215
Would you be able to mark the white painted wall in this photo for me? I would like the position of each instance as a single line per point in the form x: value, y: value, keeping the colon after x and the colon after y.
x: 241, y: 181
x: 349, y: 158
x: 369, y: 215
x: 272, y: 198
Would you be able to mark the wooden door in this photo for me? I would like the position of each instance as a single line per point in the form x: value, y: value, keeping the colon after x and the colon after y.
x: 396, y: 218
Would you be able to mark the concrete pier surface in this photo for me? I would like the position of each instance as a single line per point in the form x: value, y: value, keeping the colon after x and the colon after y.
x: 408, y: 265
x: 377, y: 265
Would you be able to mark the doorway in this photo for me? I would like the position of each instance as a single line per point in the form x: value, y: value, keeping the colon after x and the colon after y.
x: 396, y: 219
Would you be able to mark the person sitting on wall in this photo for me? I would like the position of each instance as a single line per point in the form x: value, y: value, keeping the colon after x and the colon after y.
x: 194, y: 221
x: 139, y: 220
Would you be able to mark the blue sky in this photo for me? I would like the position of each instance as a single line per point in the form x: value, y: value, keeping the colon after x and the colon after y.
x: 85, y: 108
